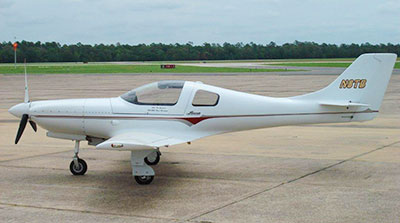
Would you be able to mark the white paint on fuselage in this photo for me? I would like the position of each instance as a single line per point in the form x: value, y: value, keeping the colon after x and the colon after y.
x: 42, y: 112
x: 235, y: 111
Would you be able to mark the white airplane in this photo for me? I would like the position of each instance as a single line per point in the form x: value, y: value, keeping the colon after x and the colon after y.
x: 166, y: 113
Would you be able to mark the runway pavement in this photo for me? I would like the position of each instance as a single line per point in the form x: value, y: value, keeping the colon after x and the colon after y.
x: 312, y: 173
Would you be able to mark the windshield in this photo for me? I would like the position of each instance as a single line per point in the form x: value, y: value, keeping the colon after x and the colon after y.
x: 158, y: 93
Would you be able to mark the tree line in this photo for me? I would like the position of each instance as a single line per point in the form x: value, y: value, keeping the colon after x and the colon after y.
x: 56, y: 52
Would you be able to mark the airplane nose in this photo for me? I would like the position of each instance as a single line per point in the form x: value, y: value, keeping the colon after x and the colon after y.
x: 19, y: 109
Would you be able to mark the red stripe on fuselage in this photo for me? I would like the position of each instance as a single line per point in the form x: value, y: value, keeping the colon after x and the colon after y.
x: 195, y: 120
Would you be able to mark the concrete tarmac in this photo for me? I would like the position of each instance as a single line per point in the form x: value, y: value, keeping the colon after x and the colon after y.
x: 313, y: 173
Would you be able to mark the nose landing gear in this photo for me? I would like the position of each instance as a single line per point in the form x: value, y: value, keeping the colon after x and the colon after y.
x: 77, y: 166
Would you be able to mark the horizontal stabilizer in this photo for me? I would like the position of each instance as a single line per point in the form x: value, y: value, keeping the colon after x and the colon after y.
x: 343, y: 104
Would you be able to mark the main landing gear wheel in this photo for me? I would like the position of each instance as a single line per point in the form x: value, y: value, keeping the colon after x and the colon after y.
x: 144, y: 180
x: 79, y: 169
x: 152, y: 159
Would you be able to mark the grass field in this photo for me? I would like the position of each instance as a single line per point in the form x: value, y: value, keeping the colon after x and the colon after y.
x: 324, y: 64
x: 253, y: 60
x: 112, y: 68
x: 262, y: 60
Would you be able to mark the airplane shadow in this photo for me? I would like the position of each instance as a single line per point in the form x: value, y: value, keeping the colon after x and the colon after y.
x: 119, y: 192
x: 108, y: 187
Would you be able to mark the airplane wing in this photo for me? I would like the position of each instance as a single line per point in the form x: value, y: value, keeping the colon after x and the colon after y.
x: 139, y: 141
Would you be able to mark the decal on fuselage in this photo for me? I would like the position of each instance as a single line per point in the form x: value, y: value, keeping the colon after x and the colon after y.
x: 158, y: 109
x: 353, y: 83
x: 193, y: 113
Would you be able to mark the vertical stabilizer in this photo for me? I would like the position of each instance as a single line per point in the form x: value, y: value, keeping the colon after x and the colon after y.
x: 363, y: 83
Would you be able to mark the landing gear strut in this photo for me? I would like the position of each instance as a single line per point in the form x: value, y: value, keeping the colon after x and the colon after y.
x: 77, y: 166
x: 142, y: 172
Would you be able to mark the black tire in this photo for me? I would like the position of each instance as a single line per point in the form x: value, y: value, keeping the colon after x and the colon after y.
x: 155, y: 162
x: 82, y: 167
x: 144, y: 180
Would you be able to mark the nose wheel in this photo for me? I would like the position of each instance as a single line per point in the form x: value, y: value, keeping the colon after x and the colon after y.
x: 79, y: 169
x: 77, y: 166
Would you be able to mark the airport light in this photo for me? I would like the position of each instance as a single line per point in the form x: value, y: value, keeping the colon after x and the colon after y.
x: 15, y: 45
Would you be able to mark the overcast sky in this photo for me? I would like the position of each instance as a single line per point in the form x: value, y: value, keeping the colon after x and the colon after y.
x: 199, y: 21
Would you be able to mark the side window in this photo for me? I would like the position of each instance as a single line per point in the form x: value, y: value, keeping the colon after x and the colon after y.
x: 159, y: 96
x: 205, y: 98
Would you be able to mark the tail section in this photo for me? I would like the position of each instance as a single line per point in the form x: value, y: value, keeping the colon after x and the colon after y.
x: 362, y: 84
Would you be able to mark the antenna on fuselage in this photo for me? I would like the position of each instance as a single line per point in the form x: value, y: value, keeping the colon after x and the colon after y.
x: 26, y: 99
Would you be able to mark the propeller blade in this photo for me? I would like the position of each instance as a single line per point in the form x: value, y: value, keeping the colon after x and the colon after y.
x: 33, y: 124
x: 21, y: 128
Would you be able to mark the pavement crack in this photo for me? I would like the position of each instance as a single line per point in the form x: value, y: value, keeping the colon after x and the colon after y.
x: 245, y: 197
x: 28, y: 157
x: 85, y: 212
x: 342, y: 161
x: 9, y: 120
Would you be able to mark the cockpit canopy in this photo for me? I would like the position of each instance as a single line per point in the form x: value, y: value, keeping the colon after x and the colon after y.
x: 157, y: 93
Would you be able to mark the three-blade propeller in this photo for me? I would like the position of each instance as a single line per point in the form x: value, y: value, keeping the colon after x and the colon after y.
x: 22, y: 125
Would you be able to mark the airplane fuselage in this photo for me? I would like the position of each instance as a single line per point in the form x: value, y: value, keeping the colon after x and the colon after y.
x: 235, y: 111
